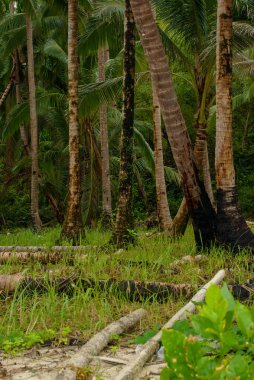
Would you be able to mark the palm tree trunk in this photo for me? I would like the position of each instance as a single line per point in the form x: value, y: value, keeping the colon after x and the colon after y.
x: 207, y: 175
x: 8, y: 88
x: 72, y: 227
x: 16, y: 64
x: 124, y: 215
x: 163, y: 212
x: 199, y: 205
x: 34, y: 128
x: 23, y: 133
x: 232, y: 229
x: 105, y: 179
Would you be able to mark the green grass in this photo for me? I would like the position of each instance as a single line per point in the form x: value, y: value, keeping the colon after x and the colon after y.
x: 26, y: 319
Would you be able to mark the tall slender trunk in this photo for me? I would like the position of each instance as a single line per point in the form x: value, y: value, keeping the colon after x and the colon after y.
x: 207, y: 175
x: 124, y: 215
x: 200, y: 208
x: 72, y: 227
x: 105, y: 179
x: 163, y: 212
x: 8, y: 88
x: 16, y: 64
x: 232, y: 229
x: 34, y: 127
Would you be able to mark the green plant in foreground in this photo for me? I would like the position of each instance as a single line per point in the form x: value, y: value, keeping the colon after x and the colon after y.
x: 215, y: 344
x: 18, y: 341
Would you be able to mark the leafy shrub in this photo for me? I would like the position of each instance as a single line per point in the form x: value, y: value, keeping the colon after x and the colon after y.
x: 18, y: 340
x: 215, y: 344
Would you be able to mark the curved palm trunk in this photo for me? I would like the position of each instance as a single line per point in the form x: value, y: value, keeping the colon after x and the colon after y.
x: 200, y: 208
x: 105, y: 178
x: 232, y: 228
x: 124, y: 216
x: 202, y: 162
x: 72, y: 227
x: 34, y: 128
x: 163, y: 212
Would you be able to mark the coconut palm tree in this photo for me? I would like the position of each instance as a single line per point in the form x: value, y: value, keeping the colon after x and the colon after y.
x: 33, y: 127
x: 103, y: 57
x: 232, y: 228
x: 124, y: 215
x: 199, y: 205
x: 163, y: 212
x: 72, y: 227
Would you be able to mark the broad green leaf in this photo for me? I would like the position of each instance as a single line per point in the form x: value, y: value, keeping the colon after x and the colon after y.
x: 244, y: 320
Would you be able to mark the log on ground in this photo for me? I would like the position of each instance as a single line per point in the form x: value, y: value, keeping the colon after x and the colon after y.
x: 135, y: 290
x: 96, y: 344
x: 130, y: 371
x: 41, y: 256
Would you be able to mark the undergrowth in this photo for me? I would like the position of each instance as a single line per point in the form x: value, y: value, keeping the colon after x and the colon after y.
x: 28, y: 319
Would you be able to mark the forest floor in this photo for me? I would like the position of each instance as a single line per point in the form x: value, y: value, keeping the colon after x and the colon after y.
x: 39, y: 329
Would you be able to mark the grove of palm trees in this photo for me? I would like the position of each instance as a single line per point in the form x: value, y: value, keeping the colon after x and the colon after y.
x: 126, y: 189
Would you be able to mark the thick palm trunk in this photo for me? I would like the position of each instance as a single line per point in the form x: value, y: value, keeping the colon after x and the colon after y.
x: 200, y: 208
x: 34, y: 128
x: 72, y: 227
x: 124, y: 216
x: 232, y: 228
x: 202, y: 162
x: 105, y: 178
x: 163, y: 212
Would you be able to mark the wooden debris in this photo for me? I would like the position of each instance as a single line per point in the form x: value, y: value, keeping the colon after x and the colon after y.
x: 95, y: 345
x: 9, y: 283
x: 135, y: 290
x: 43, y: 257
x: 129, y: 372
x: 110, y: 360
x: 56, y: 248
x: 188, y: 259
x: 242, y: 291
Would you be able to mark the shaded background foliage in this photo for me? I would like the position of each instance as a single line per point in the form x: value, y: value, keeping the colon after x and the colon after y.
x: 101, y: 23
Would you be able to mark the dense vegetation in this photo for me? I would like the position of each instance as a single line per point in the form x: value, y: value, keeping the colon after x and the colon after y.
x: 117, y: 116
x: 101, y: 26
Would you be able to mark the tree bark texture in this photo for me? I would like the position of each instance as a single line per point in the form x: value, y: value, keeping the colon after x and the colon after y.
x: 97, y: 343
x: 198, y: 203
x: 105, y: 178
x: 37, y: 224
x: 207, y: 175
x: 164, y: 216
x: 132, y: 289
x: 232, y: 229
x: 72, y: 228
x: 8, y: 87
x: 124, y: 216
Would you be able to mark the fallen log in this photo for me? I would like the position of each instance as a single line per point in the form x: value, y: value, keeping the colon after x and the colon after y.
x: 95, y: 345
x: 130, y: 371
x: 43, y: 257
x: 135, y: 290
x: 56, y: 248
